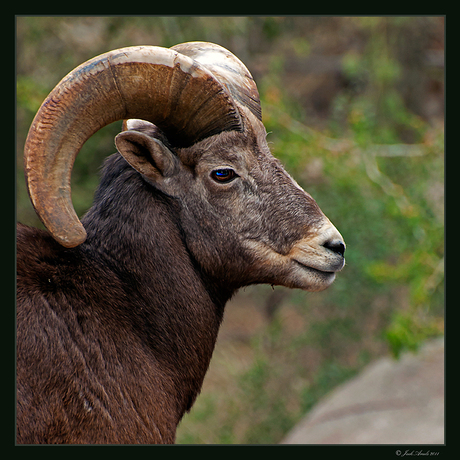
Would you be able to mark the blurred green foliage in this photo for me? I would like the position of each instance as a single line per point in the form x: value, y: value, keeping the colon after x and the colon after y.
x: 354, y: 110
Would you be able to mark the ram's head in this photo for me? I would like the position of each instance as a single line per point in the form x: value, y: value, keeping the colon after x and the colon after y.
x: 193, y: 129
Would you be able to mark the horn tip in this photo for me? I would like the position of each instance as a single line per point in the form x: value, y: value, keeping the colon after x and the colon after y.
x: 71, y: 240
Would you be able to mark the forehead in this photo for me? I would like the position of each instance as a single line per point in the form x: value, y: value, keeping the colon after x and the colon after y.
x: 232, y: 149
x: 238, y: 158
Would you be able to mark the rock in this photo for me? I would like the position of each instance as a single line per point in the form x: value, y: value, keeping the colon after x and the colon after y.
x: 390, y: 402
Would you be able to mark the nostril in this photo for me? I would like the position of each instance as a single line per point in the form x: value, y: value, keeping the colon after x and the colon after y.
x: 336, y: 246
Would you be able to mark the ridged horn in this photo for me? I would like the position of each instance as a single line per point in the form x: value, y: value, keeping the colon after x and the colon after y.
x: 228, y: 70
x: 163, y: 86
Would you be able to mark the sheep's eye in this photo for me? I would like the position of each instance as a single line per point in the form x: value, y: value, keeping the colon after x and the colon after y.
x: 223, y: 175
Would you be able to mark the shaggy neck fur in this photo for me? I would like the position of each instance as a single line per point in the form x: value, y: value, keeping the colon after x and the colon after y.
x: 140, y: 328
x: 175, y: 310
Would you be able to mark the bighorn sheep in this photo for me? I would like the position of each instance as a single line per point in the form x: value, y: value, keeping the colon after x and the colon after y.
x: 118, y: 314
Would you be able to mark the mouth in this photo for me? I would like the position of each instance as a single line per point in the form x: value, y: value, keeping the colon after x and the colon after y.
x: 332, y: 268
x: 315, y: 270
x: 314, y: 278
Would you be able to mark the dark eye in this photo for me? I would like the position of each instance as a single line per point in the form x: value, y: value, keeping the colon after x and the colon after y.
x: 223, y: 175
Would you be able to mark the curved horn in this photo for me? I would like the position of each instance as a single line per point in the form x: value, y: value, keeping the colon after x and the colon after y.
x: 159, y: 85
x: 228, y: 70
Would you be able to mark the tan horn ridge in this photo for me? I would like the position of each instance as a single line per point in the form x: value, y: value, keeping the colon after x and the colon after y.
x: 228, y: 70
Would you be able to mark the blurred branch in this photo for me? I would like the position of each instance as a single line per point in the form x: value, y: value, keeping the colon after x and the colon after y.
x: 296, y: 127
x: 344, y: 145
x: 399, y: 150
x: 390, y: 188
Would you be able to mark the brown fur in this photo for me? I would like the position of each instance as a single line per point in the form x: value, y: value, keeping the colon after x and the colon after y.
x: 114, y: 337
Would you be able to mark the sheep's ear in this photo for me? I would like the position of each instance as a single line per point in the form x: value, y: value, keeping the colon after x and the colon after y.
x: 147, y: 154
